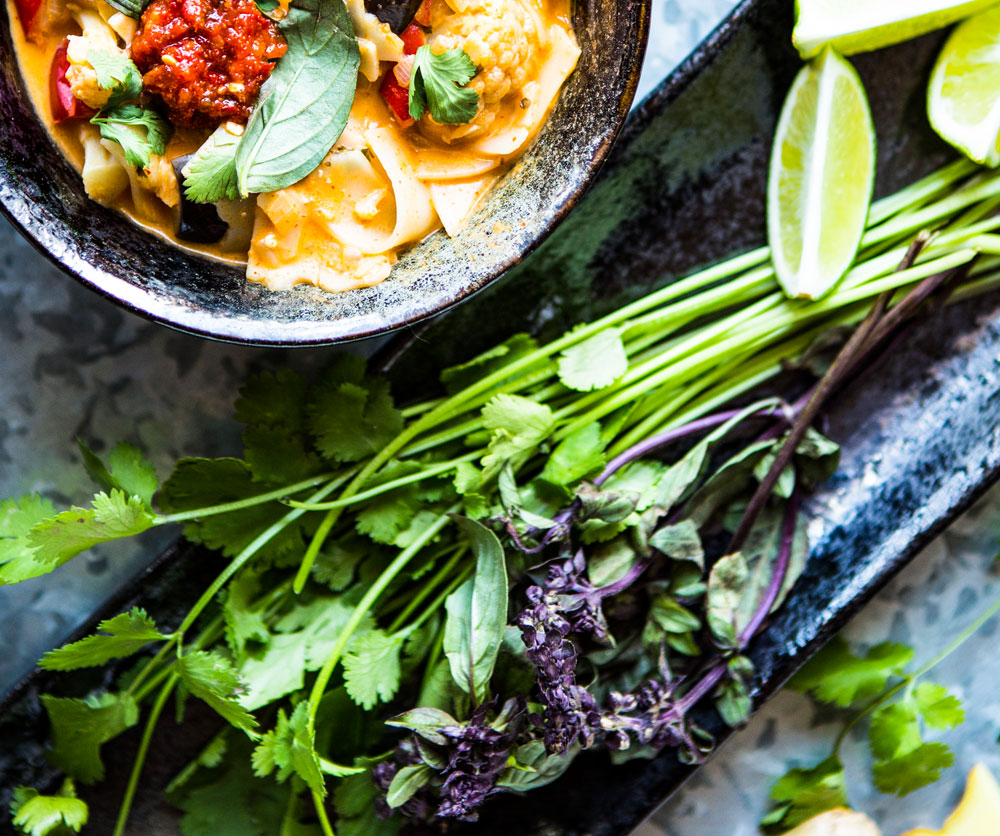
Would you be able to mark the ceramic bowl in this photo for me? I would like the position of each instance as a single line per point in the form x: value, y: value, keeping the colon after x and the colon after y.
x: 44, y: 197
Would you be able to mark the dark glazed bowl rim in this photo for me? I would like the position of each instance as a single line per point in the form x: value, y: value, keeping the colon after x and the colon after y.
x: 126, y: 288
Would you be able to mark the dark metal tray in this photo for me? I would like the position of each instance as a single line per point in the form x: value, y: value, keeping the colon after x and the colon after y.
x: 684, y: 187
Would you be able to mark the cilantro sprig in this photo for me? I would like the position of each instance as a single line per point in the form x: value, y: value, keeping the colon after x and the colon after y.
x: 901, y: 708
x: 438, y: 83
x: 140, y: 130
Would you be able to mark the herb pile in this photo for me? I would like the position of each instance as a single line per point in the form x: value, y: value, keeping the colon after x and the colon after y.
x: 569, y: 548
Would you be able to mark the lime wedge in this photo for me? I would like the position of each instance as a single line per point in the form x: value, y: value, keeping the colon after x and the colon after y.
x: 963, y: 100
x: 852, y: 26
x: 822, y: 171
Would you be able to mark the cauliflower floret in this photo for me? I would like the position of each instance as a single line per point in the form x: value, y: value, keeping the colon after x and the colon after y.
x: 104, y: 177
x: 97, y: 35
x: 503, y: 38
x: 160, y: 179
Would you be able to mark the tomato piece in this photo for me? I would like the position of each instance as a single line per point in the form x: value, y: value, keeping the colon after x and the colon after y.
x: 27, y: 11
x: 413, y: 38
x: 423, y: 15
x: 398, y: 99
x: 65, y: 105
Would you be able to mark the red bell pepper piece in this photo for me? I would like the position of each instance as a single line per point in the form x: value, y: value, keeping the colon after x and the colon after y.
x: 27, y: 11
x: 423, y: 15
x: 413, y: 38
x: 398, y: 99
x: 65, y: 105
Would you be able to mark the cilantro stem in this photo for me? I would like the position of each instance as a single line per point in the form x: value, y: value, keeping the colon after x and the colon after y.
x: 427, y: 589
x: 250, y: 502
x: 222, y: 579
x: 365, y: 605
x: 140, y: 758
x: 439, y: 600
x: 425, y: 473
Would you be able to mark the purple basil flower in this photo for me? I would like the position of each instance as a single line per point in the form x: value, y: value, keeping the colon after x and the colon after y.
x: 570, y: 711
x: 477, y: 753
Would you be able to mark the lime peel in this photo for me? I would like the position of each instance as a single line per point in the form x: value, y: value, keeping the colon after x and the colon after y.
x: 821, y: 177
x: 963, y: 97
x: 853, y: 26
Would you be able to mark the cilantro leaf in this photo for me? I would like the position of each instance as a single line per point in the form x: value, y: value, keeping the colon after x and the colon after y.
x: 276, y: 671
x: 940, y: 710
x: 804, y: 793
x: 290, y: 749
x: 201, y: 483
x: 41, y: 815
x: 437, y: 83
x: 80, y: 727
x: 918, y: 768
x: 595, y: 363
x: 837, y: 676
x: 17, y: 555
x: 352, y: 414
x: 212, y: 678
x: 127, y: 470
x: 468, y: 483
x: 227, y: 799
x: 517, y: 427
x: 371, y: 668
x: 116, y: 72
x: 336, y: 564
x: 67, y: 534
x: 319, y: 623
x: 120, y: 636
x: 904, y: 762
x: 244, y: 621
x: 387, y: 516
x: 140, y: 131
x: 893, y: 729
x: 272, y: 398
x: 210, y: 175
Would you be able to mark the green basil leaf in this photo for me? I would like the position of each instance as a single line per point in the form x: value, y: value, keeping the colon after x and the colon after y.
x: 305, y: 103
x: 477, y: 614
x: 129, y: 8
x: 407, y: 783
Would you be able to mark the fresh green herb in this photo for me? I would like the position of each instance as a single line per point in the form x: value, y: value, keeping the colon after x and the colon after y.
x: 304, y: 104
x: 140, y: 131
x: 48, y: 815
x: 119, y: 637
x: 352, y: 580
x: 210, y: 175
x: 900, y: 705
x: 477, y: 615
x: 117, y: 73
x: 266, y: 6
x: 129, y: 8
x: 438, y: 83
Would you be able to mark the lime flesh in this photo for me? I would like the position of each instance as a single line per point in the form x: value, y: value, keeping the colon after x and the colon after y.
x: 963, y: 99
x: 852, y: 26
x: 822, y: 172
